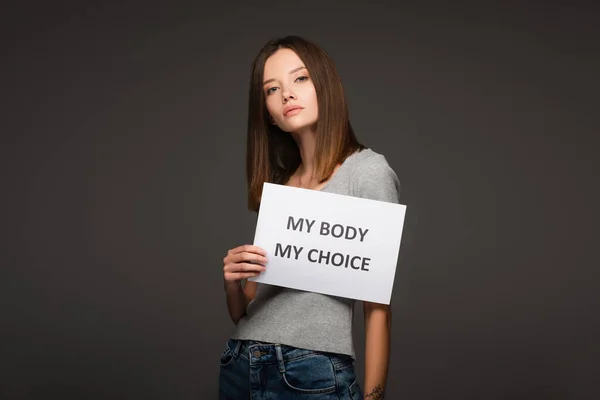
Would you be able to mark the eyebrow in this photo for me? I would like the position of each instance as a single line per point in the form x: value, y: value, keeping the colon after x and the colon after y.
x: 291, y: 72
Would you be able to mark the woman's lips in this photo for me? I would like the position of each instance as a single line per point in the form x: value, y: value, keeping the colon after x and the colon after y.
x: 293, y: 111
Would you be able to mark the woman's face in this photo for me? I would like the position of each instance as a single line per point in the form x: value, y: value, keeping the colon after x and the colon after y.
x: 290, y: 95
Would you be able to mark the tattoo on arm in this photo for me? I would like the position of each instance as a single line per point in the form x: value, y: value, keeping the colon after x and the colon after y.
x: 376, y: 394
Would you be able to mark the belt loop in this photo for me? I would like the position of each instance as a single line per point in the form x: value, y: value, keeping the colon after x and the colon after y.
x: 236, y: 349
x: 279, y: 358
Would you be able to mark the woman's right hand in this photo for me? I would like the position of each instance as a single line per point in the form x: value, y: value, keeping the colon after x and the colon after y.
x: 243, y: 262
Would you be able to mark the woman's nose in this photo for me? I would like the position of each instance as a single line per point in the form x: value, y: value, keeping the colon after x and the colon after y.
x: 287, y: 95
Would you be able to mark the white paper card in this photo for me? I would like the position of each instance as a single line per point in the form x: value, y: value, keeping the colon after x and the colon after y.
x: 329, y: 243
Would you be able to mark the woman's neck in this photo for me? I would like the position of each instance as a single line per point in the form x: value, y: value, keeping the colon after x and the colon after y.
x: 306, y: 142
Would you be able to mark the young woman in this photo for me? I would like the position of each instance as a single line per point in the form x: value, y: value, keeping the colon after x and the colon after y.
x: 292, y: 344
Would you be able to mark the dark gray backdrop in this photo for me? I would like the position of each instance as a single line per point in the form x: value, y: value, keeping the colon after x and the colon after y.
x: 123, y: 186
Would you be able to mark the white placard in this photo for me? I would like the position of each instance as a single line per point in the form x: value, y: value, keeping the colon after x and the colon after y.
x: 329, y: 243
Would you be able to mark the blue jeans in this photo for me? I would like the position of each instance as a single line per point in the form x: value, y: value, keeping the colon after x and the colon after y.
x: 263, y: 371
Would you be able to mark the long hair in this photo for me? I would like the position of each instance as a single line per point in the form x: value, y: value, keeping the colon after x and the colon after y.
x: 272, y: 155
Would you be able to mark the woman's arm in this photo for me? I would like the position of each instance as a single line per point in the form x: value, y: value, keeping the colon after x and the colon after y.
x: 239, y: 264
x: 376, y: 180
x: 238, y: 298
x: 378, y: 323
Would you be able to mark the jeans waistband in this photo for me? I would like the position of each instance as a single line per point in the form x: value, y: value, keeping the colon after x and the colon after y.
x: 274, y: 353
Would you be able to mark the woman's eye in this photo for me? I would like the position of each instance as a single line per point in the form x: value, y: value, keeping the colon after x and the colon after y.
x: 301, y: 78
x: 270, y: 90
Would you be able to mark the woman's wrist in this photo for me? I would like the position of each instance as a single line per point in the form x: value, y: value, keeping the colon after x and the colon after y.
x: 232, y: 286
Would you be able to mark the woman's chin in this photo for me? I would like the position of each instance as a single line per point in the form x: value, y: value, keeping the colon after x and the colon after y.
x: 300, y: 128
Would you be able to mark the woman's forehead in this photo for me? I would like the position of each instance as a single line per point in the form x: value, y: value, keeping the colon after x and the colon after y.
x: 283, y: 59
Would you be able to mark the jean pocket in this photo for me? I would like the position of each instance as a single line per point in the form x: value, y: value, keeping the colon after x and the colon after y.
x: 227, y: 354
x: 341, y: 361
x: 310, y: 374
x: 354, y: 391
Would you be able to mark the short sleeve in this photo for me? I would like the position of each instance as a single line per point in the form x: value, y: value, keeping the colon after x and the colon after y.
x: 376, y: 180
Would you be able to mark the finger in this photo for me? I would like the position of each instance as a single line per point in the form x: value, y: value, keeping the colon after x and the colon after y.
x: 248, y: 257
x: 243, y: 267
x: 246, y: 275
x: 232, y: 277
x: 249, y: 248
x: 245, y: 257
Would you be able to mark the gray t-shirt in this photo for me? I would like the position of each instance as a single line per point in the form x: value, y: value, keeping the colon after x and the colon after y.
x: 310, y: 320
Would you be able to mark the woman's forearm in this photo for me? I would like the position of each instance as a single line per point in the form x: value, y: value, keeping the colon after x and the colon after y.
x: 236, y: 300
x: 378, y: 320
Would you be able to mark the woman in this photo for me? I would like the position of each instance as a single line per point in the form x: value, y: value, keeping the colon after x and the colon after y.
x: 290, y: 343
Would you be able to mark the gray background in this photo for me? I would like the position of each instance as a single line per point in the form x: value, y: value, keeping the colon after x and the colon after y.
x: 122, y: 155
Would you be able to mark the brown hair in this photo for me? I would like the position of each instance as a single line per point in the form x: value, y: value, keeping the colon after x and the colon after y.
x: 272, y: 155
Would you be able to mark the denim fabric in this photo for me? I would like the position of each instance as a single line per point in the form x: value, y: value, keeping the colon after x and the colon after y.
x: 264, y: 371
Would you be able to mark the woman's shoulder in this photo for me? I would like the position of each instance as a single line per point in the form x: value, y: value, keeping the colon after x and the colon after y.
x: 373, y: 177
x: 369, y: 164
x: 368, y: 157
